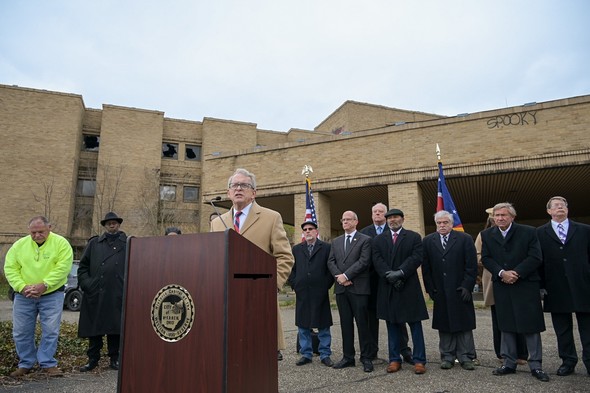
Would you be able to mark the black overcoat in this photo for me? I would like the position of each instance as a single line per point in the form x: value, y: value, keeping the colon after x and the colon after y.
x: 566, y: 268
x: 311, y: 280
x: 408, y: 304
x: 445, y: 270
x: 518, y: 305
x: 101, y: 275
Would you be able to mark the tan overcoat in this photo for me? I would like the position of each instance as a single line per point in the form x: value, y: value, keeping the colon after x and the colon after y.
x: 264, y: 227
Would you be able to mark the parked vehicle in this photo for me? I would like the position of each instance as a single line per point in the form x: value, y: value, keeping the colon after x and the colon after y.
x: 73, y: 293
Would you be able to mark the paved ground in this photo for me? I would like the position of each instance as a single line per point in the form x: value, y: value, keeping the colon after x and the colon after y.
x: 317, y: 378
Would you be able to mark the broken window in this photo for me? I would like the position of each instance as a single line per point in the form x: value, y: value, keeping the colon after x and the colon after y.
x: 191, y: 194
x: 193, y: 153
x: 90, y: 142
x: 170, y: 150
x: 86, y: 188
x: 167, y: 193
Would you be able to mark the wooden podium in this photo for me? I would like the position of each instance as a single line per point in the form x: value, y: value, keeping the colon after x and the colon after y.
x: 199, y: 315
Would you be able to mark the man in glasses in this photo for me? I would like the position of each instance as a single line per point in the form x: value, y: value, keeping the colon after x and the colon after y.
x: 311, y: 280
x: 262, y: 226
x: 349, y: 264
x: 37, y: 267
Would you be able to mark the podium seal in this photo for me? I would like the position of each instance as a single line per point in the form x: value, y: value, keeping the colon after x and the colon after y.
x: 173, y: 313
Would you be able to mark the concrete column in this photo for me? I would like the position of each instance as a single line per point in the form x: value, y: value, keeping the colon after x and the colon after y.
x: 408, y: 198
x: 322, y: 207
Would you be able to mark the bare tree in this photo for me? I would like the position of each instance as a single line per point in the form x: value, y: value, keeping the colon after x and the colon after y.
x: 47, y: 199
x: 156, y: 213
x: 108, y: 182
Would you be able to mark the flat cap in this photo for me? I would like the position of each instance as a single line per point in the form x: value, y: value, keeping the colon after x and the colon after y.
x: 394, y: 212
x: 309, y: 223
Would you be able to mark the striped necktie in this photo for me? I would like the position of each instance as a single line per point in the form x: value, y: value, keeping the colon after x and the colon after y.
x: 561, y: 233
x: 444, y: 242
x: 237, y: 221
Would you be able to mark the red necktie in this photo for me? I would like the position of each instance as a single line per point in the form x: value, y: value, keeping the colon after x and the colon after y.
x: 394, y: 237
x: 237, y: 221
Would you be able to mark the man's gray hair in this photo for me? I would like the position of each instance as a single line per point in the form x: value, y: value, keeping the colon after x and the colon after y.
x: 43, y: 219
x: 243, y: 172
x: 444, y: 213
x: 505, y: 205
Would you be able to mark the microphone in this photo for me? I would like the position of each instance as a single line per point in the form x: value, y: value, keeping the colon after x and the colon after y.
x: 216, y: 199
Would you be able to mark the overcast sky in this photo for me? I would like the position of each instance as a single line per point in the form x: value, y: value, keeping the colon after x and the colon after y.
x: 290, y: 63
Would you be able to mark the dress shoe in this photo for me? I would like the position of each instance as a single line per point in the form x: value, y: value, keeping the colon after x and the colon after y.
x: 408, y: 357
x: 503, y: 370
x: 468, y: 365
x: 368, y: 366
x: 344, y: 363
x: 91, y: 365
x: 540, y: 375
x: 394, y: 367
x: 419, y: 368
x: 327, y: 362
x: 114, y: 364
x: 53, y: 372
x: 20, y: 372
x: 303, y: 361
x: 564, y: 370
x: 446, y: 365
x: 279, y: 356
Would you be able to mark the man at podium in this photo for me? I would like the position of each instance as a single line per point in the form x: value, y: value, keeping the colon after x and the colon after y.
x: 262, y: 226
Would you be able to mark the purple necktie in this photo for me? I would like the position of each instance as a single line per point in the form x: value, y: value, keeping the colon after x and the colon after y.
x: 561, y: 233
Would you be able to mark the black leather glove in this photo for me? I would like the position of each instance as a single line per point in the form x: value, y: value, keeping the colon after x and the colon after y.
x: 399, y: 285
x: 464, y: 293
x: 543, y: 293
x: 394, y: 275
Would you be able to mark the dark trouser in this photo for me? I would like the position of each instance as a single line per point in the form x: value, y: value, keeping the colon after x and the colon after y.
x: 403, y: 340
x: 372, y: 315
x: 521, y: 349
x: 509, y: 352
x: 459, y: 345
x: 353, y: 308
x: 564, y: 330
x: 95, y: 346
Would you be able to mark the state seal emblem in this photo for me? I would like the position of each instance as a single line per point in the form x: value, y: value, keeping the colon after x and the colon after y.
x: 173, y: 313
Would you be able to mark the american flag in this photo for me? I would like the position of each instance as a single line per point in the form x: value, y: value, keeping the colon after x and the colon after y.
x: 309, y: 205
x: 444, y: 200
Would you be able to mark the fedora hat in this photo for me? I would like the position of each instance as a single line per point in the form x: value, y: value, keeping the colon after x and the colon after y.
x: 110, y: 216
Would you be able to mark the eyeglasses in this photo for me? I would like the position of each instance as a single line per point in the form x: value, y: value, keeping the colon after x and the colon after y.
x: 243, y: 186
x: 308, y: 229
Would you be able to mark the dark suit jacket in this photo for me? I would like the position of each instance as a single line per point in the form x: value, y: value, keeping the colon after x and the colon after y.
x: 408, y: 304
x: 311, y: 280
x: 565, y: 272
x: 518, y: 305
x: 445, y: 270
x: 355, y: 263
x: 372, y: 233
